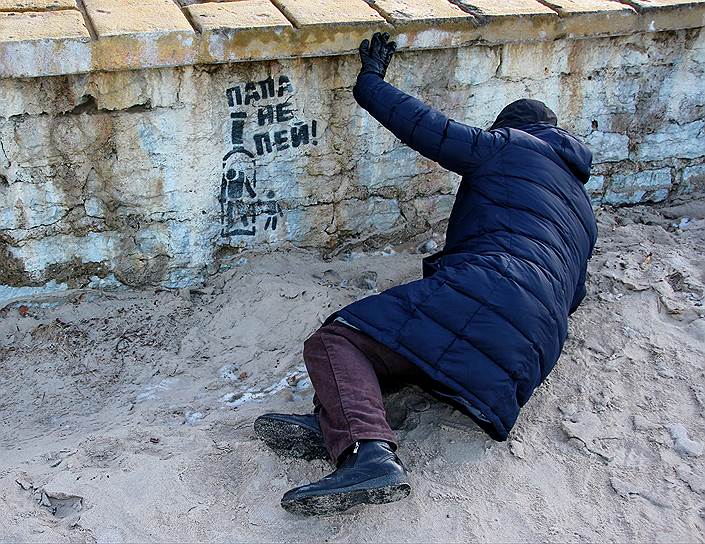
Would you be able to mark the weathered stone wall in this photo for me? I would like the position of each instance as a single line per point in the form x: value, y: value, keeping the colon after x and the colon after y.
x: 145, y: 175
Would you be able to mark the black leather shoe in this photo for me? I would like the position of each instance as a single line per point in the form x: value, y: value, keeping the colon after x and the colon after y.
x: 292, y: 435
x: 371, y: 474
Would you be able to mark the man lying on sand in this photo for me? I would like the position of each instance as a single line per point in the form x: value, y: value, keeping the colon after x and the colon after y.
x: 487, y: 322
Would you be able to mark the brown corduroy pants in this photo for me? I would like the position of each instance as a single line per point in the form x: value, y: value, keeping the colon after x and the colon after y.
x: 348, y: 369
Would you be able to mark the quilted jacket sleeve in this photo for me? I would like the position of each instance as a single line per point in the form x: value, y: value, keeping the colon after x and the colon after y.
x: 455, y: 146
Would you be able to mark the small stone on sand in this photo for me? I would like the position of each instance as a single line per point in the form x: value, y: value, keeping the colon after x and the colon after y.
x: 367, y: 280
x: 682, y: 442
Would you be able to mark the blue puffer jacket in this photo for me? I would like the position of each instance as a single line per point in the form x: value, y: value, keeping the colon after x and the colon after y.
x: 488, y: 321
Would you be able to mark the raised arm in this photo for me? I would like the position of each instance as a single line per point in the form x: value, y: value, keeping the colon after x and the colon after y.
x: 455, y: 146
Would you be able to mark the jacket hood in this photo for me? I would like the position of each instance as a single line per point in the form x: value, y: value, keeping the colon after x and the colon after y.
x: 539, y: 120
x: 572, y: 151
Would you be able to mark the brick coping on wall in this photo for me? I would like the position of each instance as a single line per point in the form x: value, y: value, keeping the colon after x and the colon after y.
x: 58, y: 37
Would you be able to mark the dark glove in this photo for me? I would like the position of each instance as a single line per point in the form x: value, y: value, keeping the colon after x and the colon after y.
x: 377, y: 55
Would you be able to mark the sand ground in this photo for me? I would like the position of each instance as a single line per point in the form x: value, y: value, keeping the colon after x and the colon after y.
x: 127, y: 416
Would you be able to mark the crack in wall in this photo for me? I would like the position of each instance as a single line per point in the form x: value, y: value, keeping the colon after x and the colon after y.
x: 87, y: 20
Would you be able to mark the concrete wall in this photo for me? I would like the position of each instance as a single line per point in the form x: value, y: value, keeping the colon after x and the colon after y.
x: 146, y: 176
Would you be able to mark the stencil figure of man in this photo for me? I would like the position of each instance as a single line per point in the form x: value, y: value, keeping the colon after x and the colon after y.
x: 487, y: 322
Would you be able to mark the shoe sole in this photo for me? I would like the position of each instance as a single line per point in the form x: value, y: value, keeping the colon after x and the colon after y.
x: 290, y: 439
x: 323, y: 505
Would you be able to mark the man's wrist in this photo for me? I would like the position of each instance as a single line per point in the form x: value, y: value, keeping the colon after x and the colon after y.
x: 372, y: 71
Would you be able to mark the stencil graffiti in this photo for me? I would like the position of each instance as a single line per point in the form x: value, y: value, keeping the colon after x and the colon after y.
x: 263, y: 122
x: 238, y: 215
x: 280, y: 140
